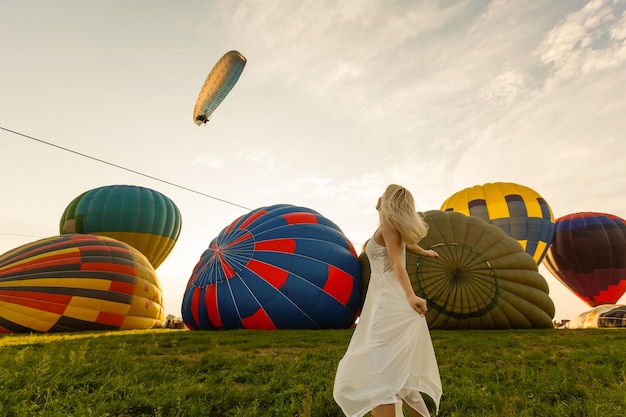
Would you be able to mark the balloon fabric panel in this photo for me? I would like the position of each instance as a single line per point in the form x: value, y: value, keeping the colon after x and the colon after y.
x: 197, y: 310
x: 233, y: 311
x: 616, y: 317
x: 602, y: 316
x: 277, y: 267
x: 139, y: 207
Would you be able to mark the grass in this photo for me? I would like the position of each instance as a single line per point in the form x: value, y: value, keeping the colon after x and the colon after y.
x: 290, y: 373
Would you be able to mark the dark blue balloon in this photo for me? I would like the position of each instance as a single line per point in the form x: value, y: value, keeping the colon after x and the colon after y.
x: 278, y: 267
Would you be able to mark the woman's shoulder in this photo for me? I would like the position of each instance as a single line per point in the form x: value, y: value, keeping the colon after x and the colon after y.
x: 386, y: 227
x: 387, y: 233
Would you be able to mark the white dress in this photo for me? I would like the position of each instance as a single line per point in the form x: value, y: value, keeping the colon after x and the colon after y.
x: 390, y: 355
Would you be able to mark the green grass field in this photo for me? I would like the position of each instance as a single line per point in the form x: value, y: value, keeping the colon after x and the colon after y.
x: 290, y: 373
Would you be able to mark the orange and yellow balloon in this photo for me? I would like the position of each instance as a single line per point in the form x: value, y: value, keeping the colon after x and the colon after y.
x: 77, y: 282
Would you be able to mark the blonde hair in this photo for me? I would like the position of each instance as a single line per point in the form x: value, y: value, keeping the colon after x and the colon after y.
x: 397, y: 206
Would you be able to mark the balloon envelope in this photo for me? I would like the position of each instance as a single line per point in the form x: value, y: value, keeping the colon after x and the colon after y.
x: 483, y: 279
x: 218, y: 84
x: 78, y: 282
x: 518, y: 210
x: 278, y: 267
x: 602, y: 316
x: 588, y: 255
x: 143, y: 218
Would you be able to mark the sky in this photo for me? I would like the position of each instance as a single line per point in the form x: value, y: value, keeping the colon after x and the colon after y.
x: 338, y: 99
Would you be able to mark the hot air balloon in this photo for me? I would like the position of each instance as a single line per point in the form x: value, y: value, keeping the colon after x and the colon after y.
x: 483, y: 279
x: 143, y: 218
x: 218, y: 84
x: 602, y: 316
x: 277, y: 267
x: 78, y: 282
x: 588, y: 255
x: 518, y: 210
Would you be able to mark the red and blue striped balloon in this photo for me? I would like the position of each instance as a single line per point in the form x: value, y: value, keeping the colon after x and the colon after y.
x: 278, y: 267
x: 588, y: 255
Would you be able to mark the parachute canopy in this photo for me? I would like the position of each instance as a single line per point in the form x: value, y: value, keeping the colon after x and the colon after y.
x: 518, y: 210
x: 483, y: 279
x: 277, y: 267
x: 143, y: 218
x: 78, y: 282
x: 602, y: 316
x: 218, y: 84
x: 588, y: 255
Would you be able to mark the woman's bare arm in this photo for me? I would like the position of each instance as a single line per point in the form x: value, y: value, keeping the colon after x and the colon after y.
x: 418, y: 250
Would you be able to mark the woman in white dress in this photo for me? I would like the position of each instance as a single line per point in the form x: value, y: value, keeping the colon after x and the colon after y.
x: 390, y: 359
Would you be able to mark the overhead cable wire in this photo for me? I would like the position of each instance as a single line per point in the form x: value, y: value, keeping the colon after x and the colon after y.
x: 182, y: 187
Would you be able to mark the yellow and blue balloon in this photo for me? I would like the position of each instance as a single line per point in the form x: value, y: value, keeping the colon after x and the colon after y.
x: 518, y: 210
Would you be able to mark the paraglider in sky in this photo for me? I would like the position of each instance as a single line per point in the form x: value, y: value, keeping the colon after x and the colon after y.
x: 277, y: 267
x: 518, y: 210
x: 143, y: 218
x: 588, y: 255
x: 78, y: 282
x: 483, y: 279
x: 605, y: 315
x: 218, y: 84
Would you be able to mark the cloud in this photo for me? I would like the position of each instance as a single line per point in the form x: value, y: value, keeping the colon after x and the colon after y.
x: 210, y: 161
x: 586, y: 41
x: 507, y: 86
